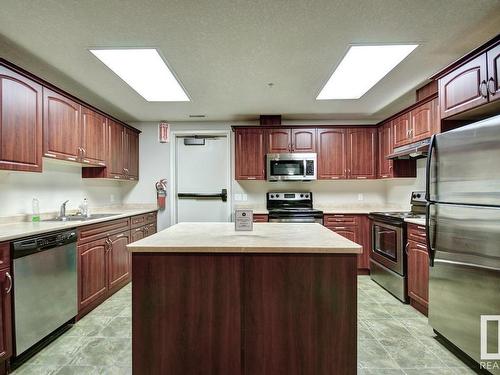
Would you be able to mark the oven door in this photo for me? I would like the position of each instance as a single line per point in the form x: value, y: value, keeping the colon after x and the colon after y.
x: 387, y: 246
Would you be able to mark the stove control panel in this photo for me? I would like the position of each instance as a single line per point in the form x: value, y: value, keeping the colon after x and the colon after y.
x: 289, y: 196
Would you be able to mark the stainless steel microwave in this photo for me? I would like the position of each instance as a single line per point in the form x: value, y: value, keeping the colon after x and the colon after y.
x: 291, y: 167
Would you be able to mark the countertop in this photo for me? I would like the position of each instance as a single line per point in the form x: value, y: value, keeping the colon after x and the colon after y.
x: 20, y: 229
x: 416, y: 221
x: 334, y: 209
x: 307, y: 238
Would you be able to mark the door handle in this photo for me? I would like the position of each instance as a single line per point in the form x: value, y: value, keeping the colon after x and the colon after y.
x: 222, y: 195
x: 428, y: 233
x: 428, y: 169
x: 7, y: 275
x: 491, y: 89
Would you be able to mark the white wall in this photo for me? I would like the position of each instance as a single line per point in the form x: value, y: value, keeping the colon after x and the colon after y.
x: 399, y: 190
x: 58, y: 182
x: 154, y: 163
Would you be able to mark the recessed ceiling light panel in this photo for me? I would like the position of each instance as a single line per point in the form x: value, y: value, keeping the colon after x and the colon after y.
x: 145, y: 71
x: 361, y: 68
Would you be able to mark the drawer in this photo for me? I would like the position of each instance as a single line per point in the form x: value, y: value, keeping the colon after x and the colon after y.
x: 138, y: 221
x: 151, y: 218
x: 340, y: 219
x: 97, y: 231
x: 260, y: 218
x: 417, y: 233
x: 150, y: 229
x: 5, y: 255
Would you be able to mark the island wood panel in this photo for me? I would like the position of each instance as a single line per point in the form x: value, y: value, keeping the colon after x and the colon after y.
x: 300, y: 314
x: 244, y: 314
x: 186, y: 314
x: 20, y: 122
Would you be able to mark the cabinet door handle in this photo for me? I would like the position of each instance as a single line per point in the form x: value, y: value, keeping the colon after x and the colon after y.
x: 251, y: 178
x: 361, y: 177
x: 7, y: 290
x: 71, y: 158
x: 491, y: 89
x: 339, y: 227
x: 483, y: 89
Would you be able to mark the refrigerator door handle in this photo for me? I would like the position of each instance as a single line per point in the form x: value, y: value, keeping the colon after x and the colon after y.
x: 464, y: 264
x: 428, y: 233
x: 428, y: 169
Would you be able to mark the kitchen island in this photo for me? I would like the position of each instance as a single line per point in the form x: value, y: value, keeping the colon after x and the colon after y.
x: 280, y: 299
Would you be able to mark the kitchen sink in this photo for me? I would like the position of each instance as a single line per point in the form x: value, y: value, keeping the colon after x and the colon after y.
x: 80, y: 217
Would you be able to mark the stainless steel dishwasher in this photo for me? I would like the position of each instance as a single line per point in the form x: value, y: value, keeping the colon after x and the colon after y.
x: 45, y: 286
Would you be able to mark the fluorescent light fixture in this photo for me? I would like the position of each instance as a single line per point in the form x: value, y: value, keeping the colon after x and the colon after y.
x: 361, y: 68
x: 144, y: 70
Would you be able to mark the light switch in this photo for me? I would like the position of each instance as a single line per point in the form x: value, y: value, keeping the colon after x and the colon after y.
x: 237, y: 197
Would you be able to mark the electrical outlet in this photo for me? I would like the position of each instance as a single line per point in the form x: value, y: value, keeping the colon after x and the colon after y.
x: 112, y: 198
x: 237, y: 197
x: 244, y: 197
x: 360, y: 197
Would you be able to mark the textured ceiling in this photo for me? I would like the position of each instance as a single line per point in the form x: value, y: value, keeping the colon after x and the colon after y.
x: 226, y: 52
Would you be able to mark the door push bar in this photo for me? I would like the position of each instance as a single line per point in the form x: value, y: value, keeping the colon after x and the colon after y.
x: 222, y: 195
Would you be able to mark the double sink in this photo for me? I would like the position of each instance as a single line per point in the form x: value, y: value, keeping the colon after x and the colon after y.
x: 81, y: 217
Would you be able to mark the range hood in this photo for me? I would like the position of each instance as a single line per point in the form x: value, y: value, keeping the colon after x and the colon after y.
x: 415, y: 150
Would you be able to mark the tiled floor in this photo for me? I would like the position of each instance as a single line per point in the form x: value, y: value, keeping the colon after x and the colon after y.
x: 393, y: 339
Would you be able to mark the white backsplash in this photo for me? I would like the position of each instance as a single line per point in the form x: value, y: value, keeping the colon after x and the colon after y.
x: 58, y: 182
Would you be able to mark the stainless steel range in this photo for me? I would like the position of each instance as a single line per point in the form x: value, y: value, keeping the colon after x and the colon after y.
x: 292, y: 208
x: 388, y: 256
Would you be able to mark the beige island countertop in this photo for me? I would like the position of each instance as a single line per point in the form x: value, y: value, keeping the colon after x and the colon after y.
x: 307, y: 238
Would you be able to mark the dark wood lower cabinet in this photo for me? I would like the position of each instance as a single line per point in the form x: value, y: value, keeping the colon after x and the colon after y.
x: 119, y: 268
x: 418, y: 268
x: 104, y: 263
x: 355, y: 228
x: 5, y: 307
x: 244, y: 314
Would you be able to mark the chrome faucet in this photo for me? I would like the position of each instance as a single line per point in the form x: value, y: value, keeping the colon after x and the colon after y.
x: 62, y: 210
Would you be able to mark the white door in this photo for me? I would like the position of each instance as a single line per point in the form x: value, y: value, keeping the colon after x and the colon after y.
x: 202, y: 175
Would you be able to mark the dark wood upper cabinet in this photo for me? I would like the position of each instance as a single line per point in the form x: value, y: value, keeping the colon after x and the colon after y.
x: 464, y: 88
x: 278, y: 141
x: 250, y: 154
x: 61, y: 127
x: 20, y: 122
x: 116, y: 163
x: 303, y: 140
x: 493, y: 57
x: 401, y: 130
x: 361, y: 152
x: 385, y: 148
x: 331, y: 147
x: 94, y: 139
x: 132, y: 150
x: 424, y: 121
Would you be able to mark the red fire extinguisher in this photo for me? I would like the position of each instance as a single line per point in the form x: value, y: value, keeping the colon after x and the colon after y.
x: 161, y: 193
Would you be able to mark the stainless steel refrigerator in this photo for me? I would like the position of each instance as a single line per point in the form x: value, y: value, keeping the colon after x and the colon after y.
x: 463, y: 234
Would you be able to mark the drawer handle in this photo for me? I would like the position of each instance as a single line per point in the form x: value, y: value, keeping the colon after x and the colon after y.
x: 338, y: 215
x: 117, y: 176
x: 421, y: 228
x: 103, y: 164
x: 72, y: 159
x: 421, y: 246
x: 361, y: 177
x: 7, y: 290
x: 50, y: 155
x: 86, y: 161
x: 339, y: 227
x: 119, y: 235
